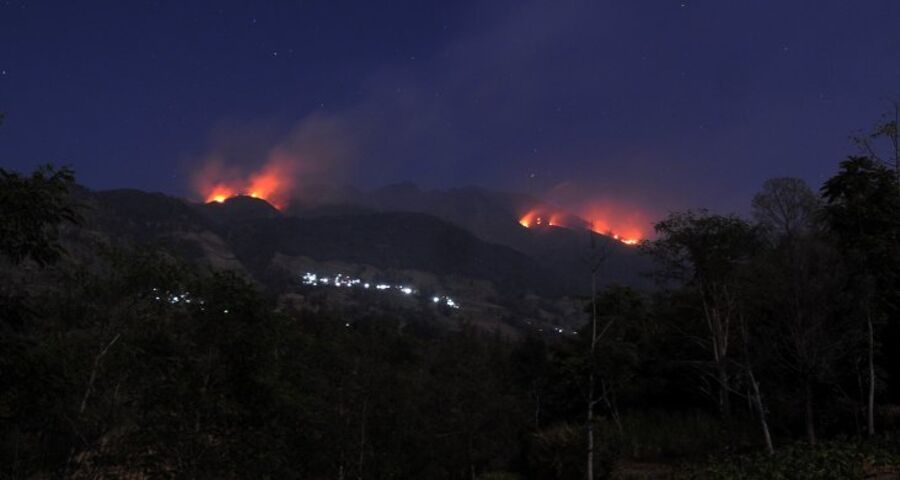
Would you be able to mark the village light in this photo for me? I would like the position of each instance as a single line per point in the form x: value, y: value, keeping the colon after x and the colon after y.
x: 341, y: 280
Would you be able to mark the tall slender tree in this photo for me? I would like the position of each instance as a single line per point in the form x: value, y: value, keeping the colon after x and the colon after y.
x: 863, y: 210
x: 703, y: 252
x: 794, y: 276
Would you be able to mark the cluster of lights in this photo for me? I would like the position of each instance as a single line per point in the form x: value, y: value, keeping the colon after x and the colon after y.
x: 183, y: 298
x: 445, y: 300
x: 558, y: 330
x: 173, y: 298
x: 339, y: 281
x: 344, y: 281
x: 561, y: 331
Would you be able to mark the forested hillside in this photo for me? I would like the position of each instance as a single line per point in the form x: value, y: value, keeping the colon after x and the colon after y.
x: 773, y: 336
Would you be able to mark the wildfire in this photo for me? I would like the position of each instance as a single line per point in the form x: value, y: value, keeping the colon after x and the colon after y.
x: 272, y: 183
x: 531, y: 219
x: 220, y: 193
x: 625, y: 233
x: 538, y: 218
x: 626, y: 241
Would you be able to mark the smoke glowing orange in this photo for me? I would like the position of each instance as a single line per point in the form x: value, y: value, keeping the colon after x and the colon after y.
x: 531, y: 219
x: 220, y: 193
x: 273, y: 183
x: 543, y: 218
x: 625, y: 228
x: 621, y: 223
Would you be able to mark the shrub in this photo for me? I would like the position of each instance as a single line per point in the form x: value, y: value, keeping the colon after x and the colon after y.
x: 559, y: 452
x: 837, y: 460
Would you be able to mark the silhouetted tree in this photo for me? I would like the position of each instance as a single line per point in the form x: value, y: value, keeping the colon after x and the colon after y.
x: 704, y: 253
x: 885, y: 129
x: 31, y: 210
x: 862, y: 205
x: 795, y: 281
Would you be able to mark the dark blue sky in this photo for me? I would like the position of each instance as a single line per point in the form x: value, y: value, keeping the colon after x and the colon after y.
x: 654, y: 104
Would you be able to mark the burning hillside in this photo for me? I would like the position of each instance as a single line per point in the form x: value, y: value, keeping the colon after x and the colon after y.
x: 627, y: 232
x: 274, y: 182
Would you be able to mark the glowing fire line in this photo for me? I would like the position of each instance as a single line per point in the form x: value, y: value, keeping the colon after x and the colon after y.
x: 539, y: 219
x: 273, y: 182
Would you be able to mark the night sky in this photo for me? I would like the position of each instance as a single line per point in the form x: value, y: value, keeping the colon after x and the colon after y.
x: 654, y: 105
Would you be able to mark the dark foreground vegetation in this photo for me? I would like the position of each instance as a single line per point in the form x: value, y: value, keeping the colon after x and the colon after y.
x: 770, y: 351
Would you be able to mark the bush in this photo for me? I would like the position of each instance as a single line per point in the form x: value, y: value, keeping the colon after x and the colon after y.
x: 499, y: 476
x: 656, y: 435
x: 838, y: 460
x: 559, y: 452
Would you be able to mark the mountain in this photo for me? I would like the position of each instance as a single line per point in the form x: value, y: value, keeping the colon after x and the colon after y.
x: 249, y: 234
x: 493, y: 216
x: 238, y: 209
x: 390, y: 240
x: 466, y: 243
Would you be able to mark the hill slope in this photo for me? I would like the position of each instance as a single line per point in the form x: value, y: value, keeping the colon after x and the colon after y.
x: 493, y: 216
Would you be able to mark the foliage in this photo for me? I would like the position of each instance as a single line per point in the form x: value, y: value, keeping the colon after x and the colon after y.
x: 837, y: 460
x: 697, y: 247
x: 670, y: 435
x: 31, y: 210
x: 786, y: 207
x: 557, y: 452
x: 129, y: 361
x: 862, y: 204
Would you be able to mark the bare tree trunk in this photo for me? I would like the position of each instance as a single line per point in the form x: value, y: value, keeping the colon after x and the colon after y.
x: 756, y: 396
x: 590, y: 429
x: 590, y: 400
x: 613, y: 407
x: 870, y: 420
x: 810, y: 414
x: 93, y: 377
x: 718, y: 335
x: 597, y: 258
x: 724, y: 398
x: 87, y: 393
x: 764, y: 423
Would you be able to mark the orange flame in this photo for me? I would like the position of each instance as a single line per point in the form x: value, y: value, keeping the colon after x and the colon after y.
x: 536, y: 218
x: 272, y: 183
x: 624, y: 228
x: 629, y: 237
x: 219, y: 193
